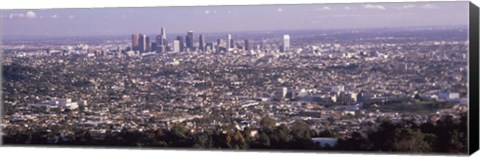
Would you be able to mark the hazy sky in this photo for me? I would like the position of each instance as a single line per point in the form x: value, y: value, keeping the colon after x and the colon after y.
x: 120, y: 21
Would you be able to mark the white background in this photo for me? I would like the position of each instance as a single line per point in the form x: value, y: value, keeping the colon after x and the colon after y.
x: 85, y: 152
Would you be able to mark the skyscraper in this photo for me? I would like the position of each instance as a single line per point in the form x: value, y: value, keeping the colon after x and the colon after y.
x: 147, y: 44
x: 229, y: 42
x: 189, y: 40
x: 176, y: 45
x: 247, y: 45
x: 286, y: 43
x: 162, y: 41
x: 263, y: 45
x: 135, y: 44
x: 153, y: 46
x: 221, y: 45
x: 164, y: 36
x: 181, y: 42
x: 142, y: 43
x: 209, y: 46
x: 158, y: 40
x: 201, y: 43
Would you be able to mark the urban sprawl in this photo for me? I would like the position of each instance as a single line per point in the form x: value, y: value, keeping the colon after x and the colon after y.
x: 343, y: 81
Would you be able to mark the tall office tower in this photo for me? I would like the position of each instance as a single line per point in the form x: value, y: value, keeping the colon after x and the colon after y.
x: 209, y: 46
x: 181, y: 42
x: 247, y: 45
x: 263, y: 45
x: 176, y: 45
x: 186, y: 47
x: 189, y: 40
x: 221, y: 45
x: 164, y: 36
x: 147, y: 45
x: 135, y: 38
x: 160, y: 47
x: 229, y: 42
x: 153, y: 46
x: 201, y: 43
x: 162, y: 41
x: 142, y: 43
x: 286, y: 43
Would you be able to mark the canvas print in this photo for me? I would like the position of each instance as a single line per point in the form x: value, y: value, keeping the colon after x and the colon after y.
x: 358, y: 77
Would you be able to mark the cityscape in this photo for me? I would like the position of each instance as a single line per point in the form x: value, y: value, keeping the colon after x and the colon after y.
x: 392, y: 89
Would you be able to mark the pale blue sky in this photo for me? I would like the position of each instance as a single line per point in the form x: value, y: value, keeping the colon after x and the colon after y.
x: 120, y: 21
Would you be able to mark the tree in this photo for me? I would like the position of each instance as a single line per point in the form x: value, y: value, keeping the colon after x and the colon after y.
x: 178, y: 136
x: 267, y: 123
x: 410, y: 140
x: 302, y: 135
x: 357, y: 142
x: 203, y: 140
x: 451, y: 134
x: 382, y: 138
x: 300, y: 130
x: 327, y: 133
x: 238, y: 141
x: 280, y: 137
x: 264, y: 140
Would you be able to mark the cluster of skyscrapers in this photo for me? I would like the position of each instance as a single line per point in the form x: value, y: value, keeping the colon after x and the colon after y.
x: 142, y: 43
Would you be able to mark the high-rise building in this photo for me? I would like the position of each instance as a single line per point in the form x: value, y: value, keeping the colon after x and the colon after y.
x: 286, y: 43
x: 229, y: 42
x: 181, y: 42
x: 160, y: 46
x: 162, y: 41
x: 142, y: 43
x: 238, y: 46
x: 153, y: 46
x: 186, y: 46
x: 221, y: 45
x: 209, y: 46
x: 201, y: 43
x: 164, y: 36
x: 263, y: 45
x: 176, y: 46
x: 189, y: 40
x: 135, y: 39
x: 147, y: 44
x: 247, y: 45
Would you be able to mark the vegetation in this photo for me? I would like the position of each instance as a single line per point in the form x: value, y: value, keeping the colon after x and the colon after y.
x: 445, y: 136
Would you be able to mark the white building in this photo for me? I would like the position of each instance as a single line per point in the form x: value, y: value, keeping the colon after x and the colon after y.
x: 448, y: 95
x: 176, y: 46
x: 286, y: 43
x: 56, y: 103
x: 229, y: 42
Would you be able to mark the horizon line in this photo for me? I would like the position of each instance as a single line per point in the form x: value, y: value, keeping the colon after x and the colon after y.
x: 5, y: 37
